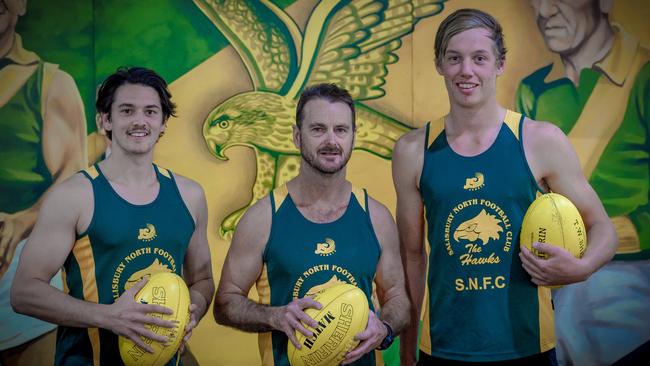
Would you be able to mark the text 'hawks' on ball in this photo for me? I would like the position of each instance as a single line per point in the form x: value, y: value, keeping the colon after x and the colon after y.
x: 555, y: 220
x: 169, y: 290
x: 343, y: 315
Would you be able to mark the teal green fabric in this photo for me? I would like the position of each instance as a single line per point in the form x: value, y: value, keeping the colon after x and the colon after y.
x: 126, y: 243
x: 294, y: 267
x: 24, y: 177
x: 622, y: 177
x: 483, y: 306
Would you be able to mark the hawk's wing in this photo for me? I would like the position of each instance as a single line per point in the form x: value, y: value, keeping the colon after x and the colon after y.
x: 263, y: 35
x: 350, y: 43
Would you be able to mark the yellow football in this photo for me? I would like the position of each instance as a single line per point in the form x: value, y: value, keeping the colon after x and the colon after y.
x: 343, y: 315
x: 169, y: 290
x: 553, y: 219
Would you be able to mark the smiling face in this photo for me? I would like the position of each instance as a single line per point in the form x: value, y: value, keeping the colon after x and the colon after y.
x: 470, y: 68
x: 136, y: 119
x: 326, y: 136
x: 566, y: 24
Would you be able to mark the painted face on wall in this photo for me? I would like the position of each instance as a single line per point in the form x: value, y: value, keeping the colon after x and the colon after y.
x: 566, y: 24
x: 10, y: 10
x: 136, y: 120
x: 326, y: 137
x: 470, y: 68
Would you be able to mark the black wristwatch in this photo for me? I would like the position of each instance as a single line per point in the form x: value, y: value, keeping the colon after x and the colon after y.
x: 389, y: 338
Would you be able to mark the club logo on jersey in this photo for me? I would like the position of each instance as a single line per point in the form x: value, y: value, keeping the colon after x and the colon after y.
x: 315, y: 278
x: 155, y: 267
x: 332, y: 282
x: 475, y: 182
x: 138, y: 264
x: 148, y: 233
x: 478, y: 232
x: 326, y: 248
x: 481, y: 227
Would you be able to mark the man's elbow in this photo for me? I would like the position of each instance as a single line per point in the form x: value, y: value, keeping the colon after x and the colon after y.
x: 18, y: 299
x: 218, y: 310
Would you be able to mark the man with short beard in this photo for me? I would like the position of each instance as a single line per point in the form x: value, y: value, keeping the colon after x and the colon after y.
x: 315, y: 224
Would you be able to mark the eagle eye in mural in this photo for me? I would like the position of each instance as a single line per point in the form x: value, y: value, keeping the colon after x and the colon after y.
x: 349, y: 43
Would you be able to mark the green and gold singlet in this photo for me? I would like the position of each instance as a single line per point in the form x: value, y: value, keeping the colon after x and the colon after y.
x: 482, y: 305
x: 302, y: 257
x: 24, y: 177
x: 123, y: 243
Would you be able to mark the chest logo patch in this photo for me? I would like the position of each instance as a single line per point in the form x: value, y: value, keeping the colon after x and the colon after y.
x: 155, y: 267
x: 474, y: 183
x: 147, y: 233
x: 483, y: 227
x: 326, y: 248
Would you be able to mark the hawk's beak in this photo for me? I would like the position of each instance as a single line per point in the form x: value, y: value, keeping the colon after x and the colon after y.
x: 216, y: 149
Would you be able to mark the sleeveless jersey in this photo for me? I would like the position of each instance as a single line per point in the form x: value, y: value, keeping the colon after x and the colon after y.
x: 302, y: 257
x: 481, y: 305
x: 123, y: 243
x: 24, y: 177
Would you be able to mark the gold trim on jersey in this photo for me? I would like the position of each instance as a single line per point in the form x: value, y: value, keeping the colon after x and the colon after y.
x: 92, y: 172
x: 48, y: 74
x: 359, y: 194
x: 628, y: 236
x: 165, y: 172
x: 425, y: 331
x: 546, y: 321
x: 279, y: 195
x: 512, y: 121
x: 64, y: 279
x: 83, y: 254
x: 265, y: 343
x: 434, y: 132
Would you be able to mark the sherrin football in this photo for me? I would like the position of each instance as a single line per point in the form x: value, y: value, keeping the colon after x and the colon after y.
x: 169, y: 290
x: 343, y: 315
x: 553, y: 219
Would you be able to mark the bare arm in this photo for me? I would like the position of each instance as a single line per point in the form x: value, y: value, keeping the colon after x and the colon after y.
x: 408, y: 158
x: 64, y: 151
x: 242, y: 267
x: 49, y: 244
x: 390, y: 285
x: 553, y: 159
x: 197, y: 268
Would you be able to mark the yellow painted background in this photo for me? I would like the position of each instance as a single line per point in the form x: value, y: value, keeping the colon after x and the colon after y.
x: 415, y: 93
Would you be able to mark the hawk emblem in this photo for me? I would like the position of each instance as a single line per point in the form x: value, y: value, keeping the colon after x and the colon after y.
x: 349, y: 43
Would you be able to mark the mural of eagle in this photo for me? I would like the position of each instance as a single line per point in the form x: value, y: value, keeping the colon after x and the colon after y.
x: 349, y: 43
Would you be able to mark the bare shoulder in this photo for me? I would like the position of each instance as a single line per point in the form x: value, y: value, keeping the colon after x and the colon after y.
x: 62, y: 80
x: 63, y: 92
x: 74, y: 193
x: 383, y: 224
x: 193, y: 196
x: 254, y: 228
x: 189, y: 188
x: 258, y: 215
x: 548, y: 150
x: 542, y: 134
x: 379, y: 213
x: 74, y: 189
x: 408, y: 159
x: 411, y: 143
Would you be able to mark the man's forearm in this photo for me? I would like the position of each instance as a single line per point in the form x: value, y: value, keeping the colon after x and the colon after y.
x: 396, y: 312
x: 601, y: 245
x: 415, y: 271
x: 40, y: 300
x: 240, y: 312
x: 200, y: 293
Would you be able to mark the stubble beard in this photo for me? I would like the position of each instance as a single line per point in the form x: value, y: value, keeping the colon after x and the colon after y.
x: 313, y: 162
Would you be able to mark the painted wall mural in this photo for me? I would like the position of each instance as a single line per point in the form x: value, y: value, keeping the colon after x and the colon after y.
x: 235, y: 69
